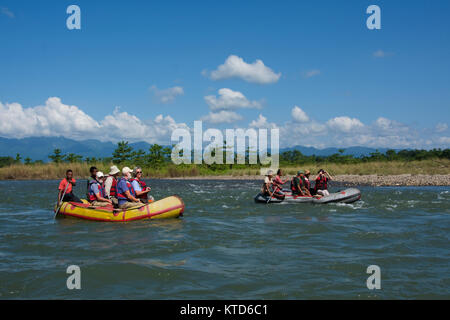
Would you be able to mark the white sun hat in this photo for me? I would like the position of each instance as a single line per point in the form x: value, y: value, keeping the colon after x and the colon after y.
x: 113, y: 170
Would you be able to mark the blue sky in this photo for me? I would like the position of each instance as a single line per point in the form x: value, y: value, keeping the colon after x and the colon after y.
x: 341, y: 75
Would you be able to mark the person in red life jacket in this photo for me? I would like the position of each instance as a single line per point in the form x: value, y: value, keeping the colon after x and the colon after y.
x: 97, y: 193
x: 308, y: 182
x: 110, y: 185
x: 125, y: 192
x: 321, y: 186
x: 269, y: 189
x: 139, y: 185
x: 298, y: 185
x: 68, y: 182
x: 93, y: 171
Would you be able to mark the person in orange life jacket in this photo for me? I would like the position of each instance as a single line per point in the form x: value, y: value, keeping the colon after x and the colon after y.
x: 125, y: 191
x: 70, y: 182
x: 110, y: 185
x: 321, y: 186
x: 139, y: 185
x: 268, y: 188
x: 93, y: 171
x: 298, y: 185
x: 97, y: 193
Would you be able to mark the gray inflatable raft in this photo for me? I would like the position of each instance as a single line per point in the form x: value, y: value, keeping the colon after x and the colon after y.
x: 345, y: 196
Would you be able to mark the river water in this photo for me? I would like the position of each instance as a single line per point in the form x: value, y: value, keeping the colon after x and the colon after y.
x: 228, y: 247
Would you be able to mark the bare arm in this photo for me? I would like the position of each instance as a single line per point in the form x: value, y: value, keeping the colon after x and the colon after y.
x: 129, y: 196
x: 147, y: 190
x: 101, y: 199
x: 329, y: 175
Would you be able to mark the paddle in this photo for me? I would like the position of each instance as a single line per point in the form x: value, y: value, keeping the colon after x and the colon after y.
x: 60, y: 200
x: 272, y: 194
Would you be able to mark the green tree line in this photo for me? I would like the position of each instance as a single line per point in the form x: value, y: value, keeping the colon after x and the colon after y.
x: 158, y: 156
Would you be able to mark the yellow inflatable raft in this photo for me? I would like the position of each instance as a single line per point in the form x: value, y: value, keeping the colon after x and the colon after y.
x: 170, y: 207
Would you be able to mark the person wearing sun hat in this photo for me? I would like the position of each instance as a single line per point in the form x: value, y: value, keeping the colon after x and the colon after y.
x: 268, y: 188
x: 110, y: 185
x: 125, y: 191
x: 96, y: 192
x: 298, y: 184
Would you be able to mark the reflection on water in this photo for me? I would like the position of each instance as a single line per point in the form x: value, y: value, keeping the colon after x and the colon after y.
x: 226, y: 246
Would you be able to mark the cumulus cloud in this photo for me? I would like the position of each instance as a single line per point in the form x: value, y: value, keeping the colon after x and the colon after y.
x: 299, y: 115
x: 441, y: 127
x: 236, y: 67
x: 58, y: 119
x: 53, y: 118
x: 262, y: 123
x: 5, y: 11
x: 312, y: 73
x: 345, y: 124
x: 229, y: 99
x: 222, y: 116
x: 167, y: 95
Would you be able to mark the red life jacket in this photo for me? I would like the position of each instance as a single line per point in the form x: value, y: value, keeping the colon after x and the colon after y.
x: 321, y: 183
x: 143, y: 187
x: 122, y: 196
x: 294, y: 188
x: 113, y: 190
x: 92, y: 196
x: 307, y: 183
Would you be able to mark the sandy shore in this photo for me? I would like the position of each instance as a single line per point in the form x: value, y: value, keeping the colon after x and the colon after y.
x: 370, y: 180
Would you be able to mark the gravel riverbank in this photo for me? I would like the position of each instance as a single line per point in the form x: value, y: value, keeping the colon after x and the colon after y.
x: 370, y: 180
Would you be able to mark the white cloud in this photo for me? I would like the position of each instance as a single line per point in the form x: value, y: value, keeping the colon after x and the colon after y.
x: 222, y: 116
x: 236, y: 67
x: 55, y: 118
x: 5, y: 11
x: 312, y: 73
x: 441, y: 127
x: 299, y: 115
x: 167, y: 95
x: 229, y: 99
x: 445, y: 141
x: 345, y: 124
x: 58, y: 119
x: 261, y: 123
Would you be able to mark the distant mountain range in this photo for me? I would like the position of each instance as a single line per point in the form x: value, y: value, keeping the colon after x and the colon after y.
x: 40, y: 148
x: 354, y: 151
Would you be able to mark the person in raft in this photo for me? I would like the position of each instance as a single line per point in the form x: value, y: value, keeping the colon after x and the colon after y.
x: 93, y: 171
x: 110, y: 185
x: 68, y: 182
x: 97, y: 193
x: 298, y: 185
x: 321, y: 186
x: 269, y: 189
x: 277, y: 181
x: 125, y: 191
x: 139, y: 185
x: 307, y: 182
